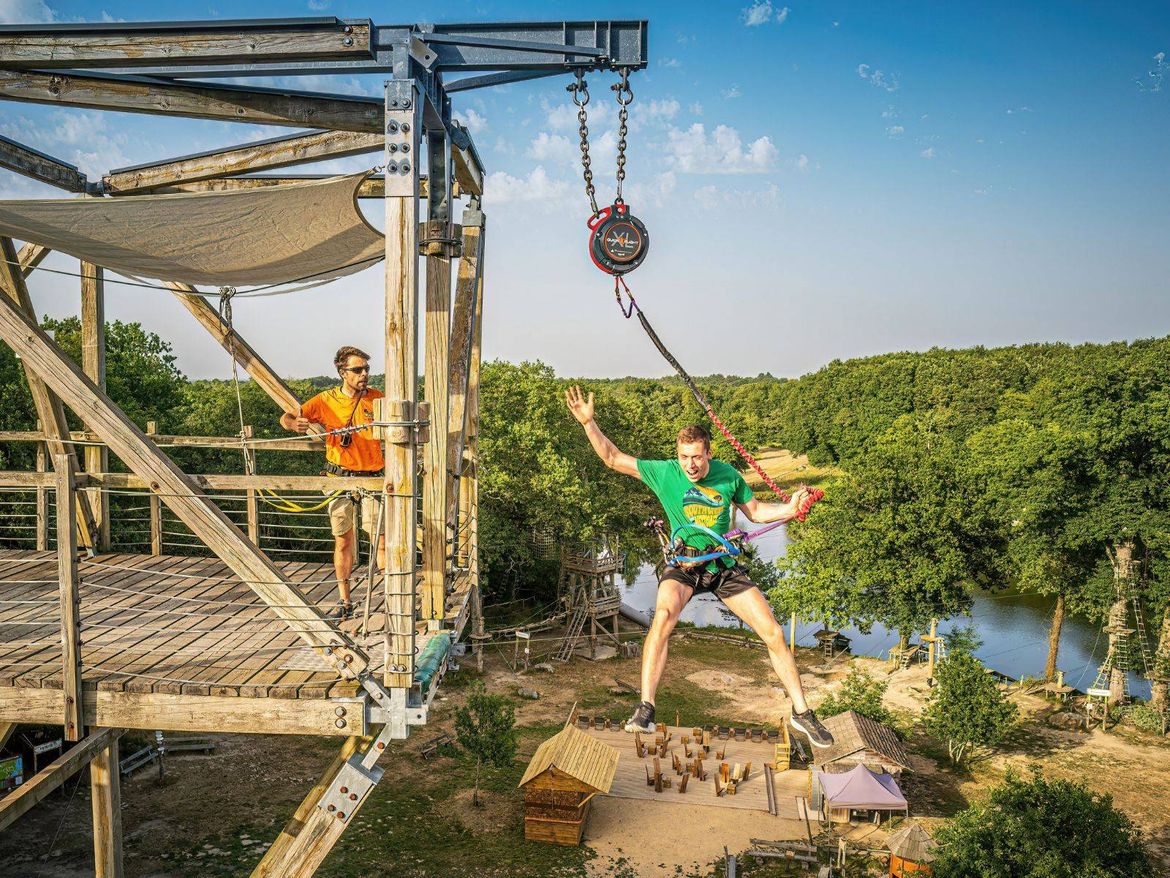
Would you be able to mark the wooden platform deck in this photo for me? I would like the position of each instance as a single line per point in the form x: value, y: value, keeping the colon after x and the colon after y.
x: 171, y: 630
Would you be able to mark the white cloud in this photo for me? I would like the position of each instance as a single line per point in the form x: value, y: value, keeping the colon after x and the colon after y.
x: 782, y: 16
x: 693, y: 151
x: 81, y: 138
x: 538, y: 187
x: 802, y: 163
x: 471, y: 120
x: 666, y: 109
x: 1013, y: 110
x: 560, y: 117
x: 890, y: 112
x: 318, y: 5
x: 895, y: 131
x: 669, y: 62
x: 554, y: 148
x: 836, y: 24
x: 877, y: 78
x: 733, y: 92
x: 696, y: 109
x: 714, y: 197
x: 757, y: 13
x: 655, y: 193
x: 928, y: 153
x: 26, y: 12
x: 1156, y: 75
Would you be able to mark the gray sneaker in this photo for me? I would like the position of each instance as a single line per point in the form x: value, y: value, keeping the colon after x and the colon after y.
x: 642, y: 720
x: 808, y: 725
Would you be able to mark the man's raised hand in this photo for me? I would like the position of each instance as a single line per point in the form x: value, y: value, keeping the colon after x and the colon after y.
x: 579, y: 405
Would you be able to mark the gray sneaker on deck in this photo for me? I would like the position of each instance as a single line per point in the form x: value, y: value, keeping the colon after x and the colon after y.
x: 808, y: 725
x: 642, y: 720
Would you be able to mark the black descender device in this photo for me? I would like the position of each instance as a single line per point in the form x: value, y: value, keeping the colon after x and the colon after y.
x: 618, y: 241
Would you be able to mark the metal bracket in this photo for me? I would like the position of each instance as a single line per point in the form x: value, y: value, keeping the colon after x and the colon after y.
x: 350, y: 788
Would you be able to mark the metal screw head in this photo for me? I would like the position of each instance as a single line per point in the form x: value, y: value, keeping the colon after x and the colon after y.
x: 406, y: 103
x: 394, y: 102
x: 353, y: 797
x: 332, y: 808
x: 344, y: 790
x: 405, y: 126
x: 381, y: 745
x: 404, y: 167
x: 391, y: 167
x: 406, y: 147
x: 348, y: 41
x: 340, y: 723
x: 391, y: 147
x: 391, y: 127
x: 340, y: 815
x: 339, y: 711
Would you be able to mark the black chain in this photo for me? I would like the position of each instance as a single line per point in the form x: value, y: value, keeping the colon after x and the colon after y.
x: 625, y: 95
x: 580, y: 92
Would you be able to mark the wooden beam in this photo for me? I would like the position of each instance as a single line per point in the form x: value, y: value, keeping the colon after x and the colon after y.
x: 70, y: 599
x: 133, y: 94
x: 35, y: 164
x: 230, y: 339
x: 206, y: 521
x: 93, y: 362
x: 132, y: 482
x: 194, y: 43
x: 105, y: 784
x: 50, y: 412
x: 467, y: 169
x: 401, y: 282
x: 189, y: 713
x: 30, y: 256
x: 272, y: 864
x: 6, y: 730
x: 371, y: 187
x: 21, y: 800
x: 467, y: 288
x: 435, y: 480
x: 283, y: 443
x: 280, y: 152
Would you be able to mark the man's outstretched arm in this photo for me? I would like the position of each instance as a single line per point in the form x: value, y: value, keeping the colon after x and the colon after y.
x: 582, y: 409
x: 765, y: 513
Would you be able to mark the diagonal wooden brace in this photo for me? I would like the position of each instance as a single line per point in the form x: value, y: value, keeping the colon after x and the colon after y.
x: 245, y: 355
x: 176, y: 490
x: 49, y: 408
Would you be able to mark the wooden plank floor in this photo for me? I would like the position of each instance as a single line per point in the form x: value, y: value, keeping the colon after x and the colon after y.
x: 179, y: 625
x: 629, y: 781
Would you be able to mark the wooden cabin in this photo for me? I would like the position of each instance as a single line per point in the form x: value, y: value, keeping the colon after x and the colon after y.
x: 565, y: 773
x: 911, y: 852
x: 859, y: 740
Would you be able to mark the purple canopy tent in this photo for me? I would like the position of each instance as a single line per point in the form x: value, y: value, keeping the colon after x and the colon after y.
x: 862, y: 790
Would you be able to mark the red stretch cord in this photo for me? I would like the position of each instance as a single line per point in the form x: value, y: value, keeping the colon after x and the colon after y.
x: 814, y: 494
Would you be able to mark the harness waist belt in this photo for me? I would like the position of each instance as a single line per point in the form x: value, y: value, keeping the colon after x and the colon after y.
x: 335, y: 470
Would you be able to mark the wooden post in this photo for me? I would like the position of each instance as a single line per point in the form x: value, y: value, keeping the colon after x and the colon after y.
x: 930, y: 653
x: 70, y: 598
x: 156, y: 532
x: 42, y: 497
x: 49, y: 409
x: 93, y: 363
x: 106, y: 792
x: 253, y: 505
x: 403, y: 119
x: 437, y: 475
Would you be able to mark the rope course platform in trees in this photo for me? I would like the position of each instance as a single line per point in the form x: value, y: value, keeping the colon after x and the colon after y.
x: 101, y: 638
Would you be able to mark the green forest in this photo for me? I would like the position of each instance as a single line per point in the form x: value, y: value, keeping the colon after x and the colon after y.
x: 1042, y: 468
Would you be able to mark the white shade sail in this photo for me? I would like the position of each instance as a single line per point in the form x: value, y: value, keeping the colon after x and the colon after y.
x: 271, y: 235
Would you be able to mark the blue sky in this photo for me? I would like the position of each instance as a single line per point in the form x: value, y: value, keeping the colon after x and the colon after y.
x: 820, y: 181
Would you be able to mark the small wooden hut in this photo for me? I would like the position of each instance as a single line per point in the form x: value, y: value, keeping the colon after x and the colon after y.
x: 859, y: 740
x: 565, y: 773
x: 911, y: 852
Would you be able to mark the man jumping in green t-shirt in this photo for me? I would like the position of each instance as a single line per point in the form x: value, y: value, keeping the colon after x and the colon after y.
x: 696, y: 490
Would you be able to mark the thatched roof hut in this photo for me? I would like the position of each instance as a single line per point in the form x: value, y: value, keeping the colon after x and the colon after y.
x: 911, y: 851
x: 565, y: 773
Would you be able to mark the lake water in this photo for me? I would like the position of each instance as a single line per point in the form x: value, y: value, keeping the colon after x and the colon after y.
x: 1013, y: 628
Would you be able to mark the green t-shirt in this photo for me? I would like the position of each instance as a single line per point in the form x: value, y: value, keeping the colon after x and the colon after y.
x: 706, y: 502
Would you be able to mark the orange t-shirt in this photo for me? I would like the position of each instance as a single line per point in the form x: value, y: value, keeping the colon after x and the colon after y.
x: 332, y: 409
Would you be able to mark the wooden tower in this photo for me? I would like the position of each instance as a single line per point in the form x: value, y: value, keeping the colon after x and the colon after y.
x: 588, y: 594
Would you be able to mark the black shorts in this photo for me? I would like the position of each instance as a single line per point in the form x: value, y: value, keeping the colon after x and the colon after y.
x: 727, y: 582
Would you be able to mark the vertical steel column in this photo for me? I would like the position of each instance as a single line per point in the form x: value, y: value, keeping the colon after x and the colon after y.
x: 403, y: 119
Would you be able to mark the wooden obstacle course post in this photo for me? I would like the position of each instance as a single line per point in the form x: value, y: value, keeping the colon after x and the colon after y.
x: 156, y: 532
x: 70, y: 598
x: 106, y: 792
x: 42, y: 505
x: 250, y: 501
x: 93, y: 363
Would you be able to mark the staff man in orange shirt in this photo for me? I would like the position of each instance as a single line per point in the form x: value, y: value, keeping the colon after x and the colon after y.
x: 354, y: 453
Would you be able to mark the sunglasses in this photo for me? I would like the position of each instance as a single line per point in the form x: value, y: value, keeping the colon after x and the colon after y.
x: 357, y: 369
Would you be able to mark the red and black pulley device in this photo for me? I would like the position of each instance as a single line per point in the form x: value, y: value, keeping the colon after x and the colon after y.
x: 618, y: 240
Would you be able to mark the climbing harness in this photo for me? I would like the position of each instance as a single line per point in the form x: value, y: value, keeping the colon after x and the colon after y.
x: 618, y: 240
x: 618, y: 244
x: 677, y: 553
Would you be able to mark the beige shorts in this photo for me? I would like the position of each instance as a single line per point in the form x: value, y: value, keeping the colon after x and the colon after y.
x: 343, y: 515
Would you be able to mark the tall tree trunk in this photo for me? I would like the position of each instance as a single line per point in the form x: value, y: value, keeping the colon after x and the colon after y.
x: 1054, y: 637
x: 1159, y: 697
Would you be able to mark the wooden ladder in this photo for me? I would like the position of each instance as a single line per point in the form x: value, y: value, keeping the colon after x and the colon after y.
x: 576, y: 626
